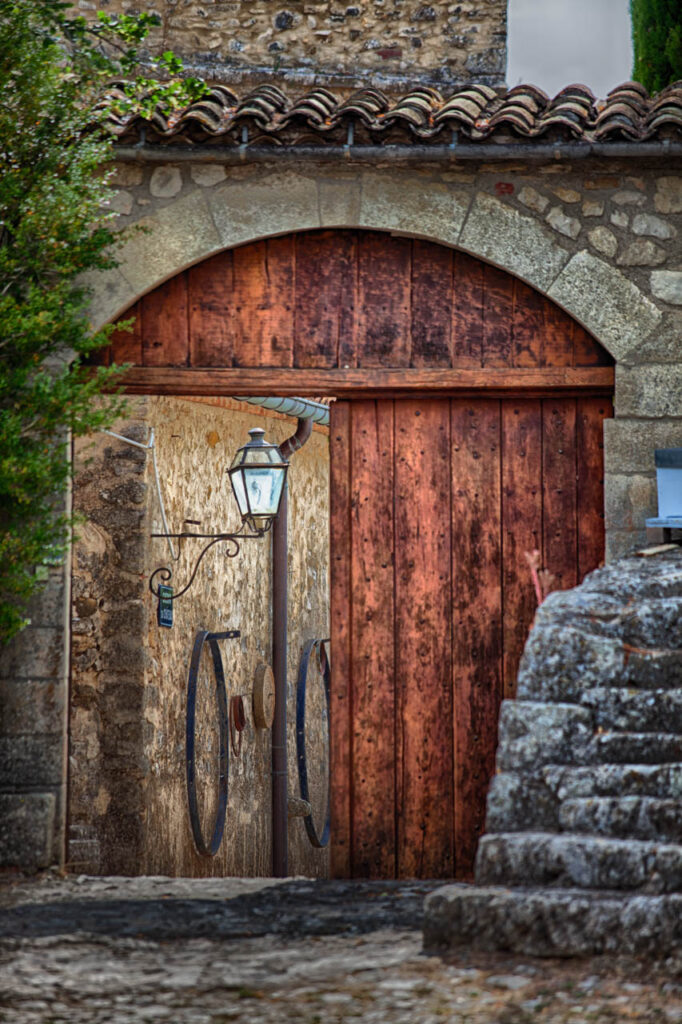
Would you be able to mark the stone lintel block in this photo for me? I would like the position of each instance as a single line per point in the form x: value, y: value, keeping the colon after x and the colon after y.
x: 38, y: 652
x: 31, y: 761
x: 339, y: 202
x: 174, y: 238
x: 605, y: 301
x: 629, y: 444
x: 517, y: 243
x: 652, y: 390
x: 111, y: 295
x: 403, y: 203
x: 533, y: 734
x: 24, y: 703
x: 26, y: 830
x: 663, y: 345
x: 629, y: 500
x: 620, y: 543
x: 272, y: 205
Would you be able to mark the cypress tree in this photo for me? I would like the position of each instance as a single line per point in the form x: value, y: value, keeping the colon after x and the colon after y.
x: 657, y: 42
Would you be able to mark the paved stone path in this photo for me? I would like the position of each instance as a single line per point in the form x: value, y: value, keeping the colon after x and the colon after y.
x: 212, y: 951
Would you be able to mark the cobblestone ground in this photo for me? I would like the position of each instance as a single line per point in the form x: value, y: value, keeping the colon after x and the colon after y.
x: 123, y: 951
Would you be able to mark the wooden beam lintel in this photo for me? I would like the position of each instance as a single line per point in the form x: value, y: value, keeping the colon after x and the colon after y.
x: 365, y: 382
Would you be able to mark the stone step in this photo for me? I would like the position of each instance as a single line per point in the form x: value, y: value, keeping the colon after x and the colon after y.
x: 627, y: 709
x: 663, y: 781
x: 522, y: 802
x: 635, y: 748
x: 582, y: 861
x: 552, y: 922
x: 625, y: 817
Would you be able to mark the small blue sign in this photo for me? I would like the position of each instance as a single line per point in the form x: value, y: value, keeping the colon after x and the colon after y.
x: 164, y: 610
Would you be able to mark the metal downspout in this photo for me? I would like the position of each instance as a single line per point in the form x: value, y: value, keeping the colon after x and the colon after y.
x: 280, y: 574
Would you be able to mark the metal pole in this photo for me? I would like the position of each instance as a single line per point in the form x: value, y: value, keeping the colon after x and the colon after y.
x: 280, y: 574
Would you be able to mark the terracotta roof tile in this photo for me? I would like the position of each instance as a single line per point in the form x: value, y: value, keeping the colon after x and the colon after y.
x: 475, y: 112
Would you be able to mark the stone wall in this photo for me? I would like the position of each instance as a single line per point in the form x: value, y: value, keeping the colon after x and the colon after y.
x: 399, y: 42
x: 33, y: 719
x: 128, y: 808
x: 601, y: 238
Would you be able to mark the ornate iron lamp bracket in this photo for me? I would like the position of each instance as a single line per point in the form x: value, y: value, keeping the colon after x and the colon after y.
x: 233, y: 540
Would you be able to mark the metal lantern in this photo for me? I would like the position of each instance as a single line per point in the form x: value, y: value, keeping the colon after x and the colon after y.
x: 257, y: 474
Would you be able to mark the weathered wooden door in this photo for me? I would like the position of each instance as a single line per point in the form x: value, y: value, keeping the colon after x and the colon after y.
x: 467, y: 431
x: 434, y: 505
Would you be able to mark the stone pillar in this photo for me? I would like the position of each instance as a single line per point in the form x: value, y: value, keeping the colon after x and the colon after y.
x: 34, y: 681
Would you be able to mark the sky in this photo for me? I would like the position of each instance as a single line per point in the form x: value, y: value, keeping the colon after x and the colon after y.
x: 553, y: 43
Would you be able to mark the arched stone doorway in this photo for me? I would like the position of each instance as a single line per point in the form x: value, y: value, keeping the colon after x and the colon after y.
x: 467, y: 430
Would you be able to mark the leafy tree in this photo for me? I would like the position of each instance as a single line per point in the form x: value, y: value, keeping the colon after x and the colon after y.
x: 53, y: 228
x: 657, y: 42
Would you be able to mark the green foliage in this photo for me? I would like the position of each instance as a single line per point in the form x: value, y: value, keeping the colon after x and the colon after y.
x: 53, y: 70
x: 657, y: 42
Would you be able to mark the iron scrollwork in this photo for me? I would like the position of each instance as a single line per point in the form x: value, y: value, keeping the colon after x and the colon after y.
x: 232, y: 540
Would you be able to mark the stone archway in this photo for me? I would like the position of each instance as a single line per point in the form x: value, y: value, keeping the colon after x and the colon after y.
x: 264, y: 204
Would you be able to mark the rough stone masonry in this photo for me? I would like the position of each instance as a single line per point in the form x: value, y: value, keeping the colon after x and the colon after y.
x: 583, y: 851
x: 396, y: 42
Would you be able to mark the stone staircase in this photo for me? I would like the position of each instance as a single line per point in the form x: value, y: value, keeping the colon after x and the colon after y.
x: 583, y: 846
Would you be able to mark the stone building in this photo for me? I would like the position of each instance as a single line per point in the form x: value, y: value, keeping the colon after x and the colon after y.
x: 550, y: 225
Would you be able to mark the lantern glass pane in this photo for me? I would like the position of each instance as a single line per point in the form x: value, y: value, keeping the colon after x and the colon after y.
x: 239, y: 492
x: 259, y: 456
x: 263, y: 489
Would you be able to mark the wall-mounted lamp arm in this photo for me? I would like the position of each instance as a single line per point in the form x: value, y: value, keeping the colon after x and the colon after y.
x: 233, y: 541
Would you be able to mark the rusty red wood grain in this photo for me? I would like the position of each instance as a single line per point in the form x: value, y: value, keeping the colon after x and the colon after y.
x: 263, y: 303
x: 477, y: 614
x: 521, y: 526
x: 424, y: 759
x: 559, y: 488
x: 586, y: 350
x: 373, y: 641
x: 591, y: 413
x: 431, y: 305
x: 324, y: 297
x: 126, y: 346
x: 165, y: 334
x: 498, y: 306
x: 383, y: 316
x: 211, y: 332
x: 541, y: 332
x: 467, y: 311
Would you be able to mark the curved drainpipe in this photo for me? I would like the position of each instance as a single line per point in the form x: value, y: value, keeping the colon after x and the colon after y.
x: 302, y: 408
x: 280, y: 574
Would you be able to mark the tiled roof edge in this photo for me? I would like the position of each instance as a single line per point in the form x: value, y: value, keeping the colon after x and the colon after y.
x: 473, y: 113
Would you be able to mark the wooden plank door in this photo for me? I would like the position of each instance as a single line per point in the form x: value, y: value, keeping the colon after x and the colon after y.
x: 434, y: 504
